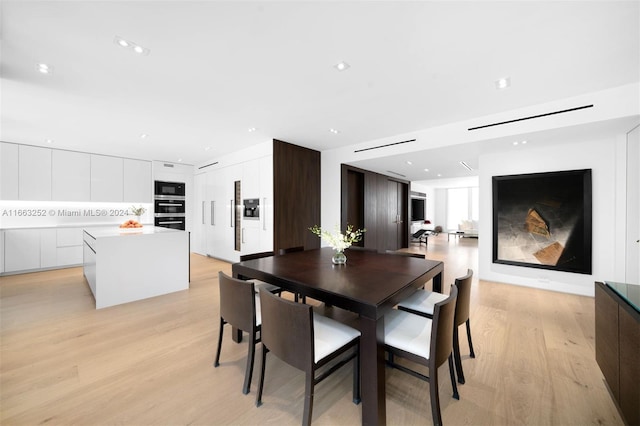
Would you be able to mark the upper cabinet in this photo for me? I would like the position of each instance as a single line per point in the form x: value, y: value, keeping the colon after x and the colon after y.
x: 34, y: 173
x: 70, y: 178
x: 43, y: 174
x: 137, y: 181
x: 106, y: 178
x: 8, y: 171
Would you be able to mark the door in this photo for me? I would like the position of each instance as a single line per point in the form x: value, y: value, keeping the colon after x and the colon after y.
x: 632, y: 272
x: 397, y: 225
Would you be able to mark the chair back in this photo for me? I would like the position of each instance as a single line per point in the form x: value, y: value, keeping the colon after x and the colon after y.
x: 442, y: 329
x: 255, y: 255
x: 406, y: 253
x: 290, y: 250
x: 464, y: 297
x: 287, y: 330
x: 237, y: 302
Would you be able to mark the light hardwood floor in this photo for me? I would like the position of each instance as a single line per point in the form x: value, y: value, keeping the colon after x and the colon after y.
x: 150, y: 362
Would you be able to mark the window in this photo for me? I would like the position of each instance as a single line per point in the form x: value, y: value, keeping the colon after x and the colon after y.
x: 462, y: 204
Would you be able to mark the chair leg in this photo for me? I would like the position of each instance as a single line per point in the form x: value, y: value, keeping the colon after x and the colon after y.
x: 217, y: 361
x: 261, y: 381
x: 356, y: 377
x: 473, y: 354
x: 308, y: 399
x: 435, y: 398
x: 456, y: 355
x: 453, y: 379
x: 250, y: 359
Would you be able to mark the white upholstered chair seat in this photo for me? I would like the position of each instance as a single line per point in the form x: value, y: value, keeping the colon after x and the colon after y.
x: 264, y: 286
x: 422, y: 301
x: 330, y: 335
x: 408, y: 332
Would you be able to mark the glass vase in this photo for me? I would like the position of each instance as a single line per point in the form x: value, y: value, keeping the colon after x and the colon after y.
x: 339, y: 258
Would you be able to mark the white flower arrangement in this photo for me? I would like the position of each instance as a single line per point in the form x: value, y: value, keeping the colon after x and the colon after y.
x: 138, y: 211
x: 337, y: 240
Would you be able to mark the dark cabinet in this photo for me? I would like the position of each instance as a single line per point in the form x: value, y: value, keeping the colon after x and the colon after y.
x: 296, y: 196
x: 378, y: 203
x: 618, y: 346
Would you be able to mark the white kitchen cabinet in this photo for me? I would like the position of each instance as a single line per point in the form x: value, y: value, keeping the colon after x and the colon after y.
x: 106, y: 178
x: 70, y: 176
x: 48, y: 248
x: 137, y: 181
x: 22, y: 249
x: 34, y: 173
x: 266, y: 203
x: 8, y: 171
x: 68, y: 246
x: 200, y: 218
x: 251, y: 179
x: 1, y: 251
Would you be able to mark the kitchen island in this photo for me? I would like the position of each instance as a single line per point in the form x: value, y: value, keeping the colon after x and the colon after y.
x: 124, y: 265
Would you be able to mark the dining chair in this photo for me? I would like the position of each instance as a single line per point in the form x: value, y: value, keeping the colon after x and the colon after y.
x: 422, y: 302
x: 282, y: 251
x: 424, y: 341
x: 311, y: 341
x: 240, y: 308
x: 261, y: 284
x: 406, y: 253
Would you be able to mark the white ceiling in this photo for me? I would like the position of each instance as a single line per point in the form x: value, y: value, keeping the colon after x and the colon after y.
x: 216, y: 69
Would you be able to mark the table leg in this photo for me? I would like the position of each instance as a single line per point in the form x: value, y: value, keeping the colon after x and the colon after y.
x: 436, y: 284
x: 372, y: 372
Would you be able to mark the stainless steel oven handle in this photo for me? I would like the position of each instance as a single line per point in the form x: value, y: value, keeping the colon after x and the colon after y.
x: 169, y: 222
x: 171, y: 204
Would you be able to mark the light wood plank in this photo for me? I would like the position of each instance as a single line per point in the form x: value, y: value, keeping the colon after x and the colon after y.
x: 150, y: 362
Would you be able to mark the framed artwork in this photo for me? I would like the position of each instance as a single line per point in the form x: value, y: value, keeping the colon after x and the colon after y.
x: 543, y: 220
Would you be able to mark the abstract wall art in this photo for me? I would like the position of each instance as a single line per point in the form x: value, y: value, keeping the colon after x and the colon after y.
x: 543, y: 220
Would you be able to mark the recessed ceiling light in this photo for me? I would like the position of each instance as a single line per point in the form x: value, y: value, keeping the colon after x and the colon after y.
x: 207, y: 148
x: 44, y: 68
x: 426, y: 170
x: 130, y: 45
x: 144, y: 136
x: 49, y: 141
x: 439, y: 175
x: 179, y: 160
x: 252, y: 129
x: 503, y: 83
x: 524, y: 142
x: 334, y: 131
x: 409, y: 163
x: 515, y: 143
x: 342, y: 66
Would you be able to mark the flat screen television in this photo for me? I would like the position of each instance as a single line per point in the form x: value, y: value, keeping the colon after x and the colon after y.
x: 417, y: 209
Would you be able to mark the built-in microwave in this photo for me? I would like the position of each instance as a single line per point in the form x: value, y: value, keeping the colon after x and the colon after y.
x: 169, y: 189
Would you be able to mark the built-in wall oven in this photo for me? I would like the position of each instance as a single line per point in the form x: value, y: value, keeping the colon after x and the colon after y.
x: 170, y: 205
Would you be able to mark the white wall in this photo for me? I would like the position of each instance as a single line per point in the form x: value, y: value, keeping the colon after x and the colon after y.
x: 598, y: 155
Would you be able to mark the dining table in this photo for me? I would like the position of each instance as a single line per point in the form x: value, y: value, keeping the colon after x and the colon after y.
x: 369, y: 284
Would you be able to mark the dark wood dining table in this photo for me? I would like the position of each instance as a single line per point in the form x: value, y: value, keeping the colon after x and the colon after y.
x: 369, y: 284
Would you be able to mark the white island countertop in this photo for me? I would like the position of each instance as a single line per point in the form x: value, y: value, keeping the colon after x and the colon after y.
x: 128, y: 264
x: 115, y: 231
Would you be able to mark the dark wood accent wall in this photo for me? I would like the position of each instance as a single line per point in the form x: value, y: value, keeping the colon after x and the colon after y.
x: 617, y: 349
x: 378, y: 203
x: 296, y: 193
